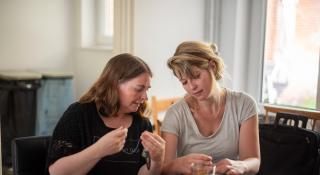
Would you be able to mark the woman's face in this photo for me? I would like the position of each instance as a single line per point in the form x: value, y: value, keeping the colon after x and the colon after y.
x: 133, y: 92
x: 200, y: 86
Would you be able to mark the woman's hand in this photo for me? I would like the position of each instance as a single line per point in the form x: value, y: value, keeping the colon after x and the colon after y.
x: 155, y: 145
x: 231, y: 167
x: 183, y: 164
x: 112, y: 142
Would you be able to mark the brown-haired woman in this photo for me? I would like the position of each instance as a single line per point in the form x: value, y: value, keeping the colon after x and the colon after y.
x: 105, y: 131
x: 211, y: 124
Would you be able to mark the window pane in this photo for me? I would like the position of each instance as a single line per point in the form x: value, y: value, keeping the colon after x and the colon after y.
x: 109, y: 18
x: 291, y: 56
x: 104, y: 21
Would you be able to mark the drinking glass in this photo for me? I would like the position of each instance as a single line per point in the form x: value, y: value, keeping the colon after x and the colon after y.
x: 200, y: 169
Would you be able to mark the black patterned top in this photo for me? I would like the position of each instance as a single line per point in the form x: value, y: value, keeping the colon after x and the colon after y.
x: 81, y: 126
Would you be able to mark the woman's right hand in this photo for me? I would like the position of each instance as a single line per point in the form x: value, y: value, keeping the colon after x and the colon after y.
x: 183, y: 164
x: 112, y: 142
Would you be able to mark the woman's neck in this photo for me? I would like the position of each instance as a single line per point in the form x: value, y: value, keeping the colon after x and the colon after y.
x: 116, y: 121
x: 214, y: 99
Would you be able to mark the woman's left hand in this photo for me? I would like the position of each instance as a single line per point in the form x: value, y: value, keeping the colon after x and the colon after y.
x: 155, y: 145
x: 230, y: 167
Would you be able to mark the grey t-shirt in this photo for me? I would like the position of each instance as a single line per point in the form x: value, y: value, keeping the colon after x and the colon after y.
x: 222, y: 144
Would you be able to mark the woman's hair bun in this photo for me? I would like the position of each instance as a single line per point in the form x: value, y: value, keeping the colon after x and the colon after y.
x: 214, y: 48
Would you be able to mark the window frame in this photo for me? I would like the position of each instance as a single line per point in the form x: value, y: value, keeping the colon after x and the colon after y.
x: 101, y: 21
x: 93, y: 26
x: 217, y: 21
x: 261, y: 70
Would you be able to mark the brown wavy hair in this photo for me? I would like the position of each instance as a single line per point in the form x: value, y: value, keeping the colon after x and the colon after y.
x: 104, y: 92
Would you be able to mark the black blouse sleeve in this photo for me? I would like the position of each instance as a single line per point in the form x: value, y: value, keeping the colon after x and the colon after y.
x: 66, y: 136
x: 149, y: 126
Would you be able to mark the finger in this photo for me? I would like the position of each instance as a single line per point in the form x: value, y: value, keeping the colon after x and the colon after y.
x: 148, y: 145
x: 159, y: 139
x: 154, y: 136
x: 231, y: 172
x: 226, y: 169
x: 120, y: 132
x: 146, y: 135
x: 202, y: 157
x: 150, y: 139
x: 123, y: 141
x: 202, y: 162
x: 223, y: 163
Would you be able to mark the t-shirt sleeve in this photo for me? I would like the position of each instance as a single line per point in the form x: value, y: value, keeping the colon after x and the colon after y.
x: 248, y: 107
x: 171, y: 121
x: 65, y: 138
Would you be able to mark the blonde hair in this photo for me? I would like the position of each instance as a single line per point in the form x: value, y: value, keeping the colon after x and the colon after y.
x: 196, y: 54
x: 104, y: 92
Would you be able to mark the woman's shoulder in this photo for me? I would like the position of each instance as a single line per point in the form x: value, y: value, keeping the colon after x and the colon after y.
x: 242, y: 102
x: 141, y: 119
x: 179, y: 105
x: 239, y: 96
x: 76, y: 109
x: 178, y: 111
x: 141, y: 122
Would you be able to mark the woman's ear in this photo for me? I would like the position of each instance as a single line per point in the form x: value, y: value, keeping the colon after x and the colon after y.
x: 212, y: 65
x: 213, y: 68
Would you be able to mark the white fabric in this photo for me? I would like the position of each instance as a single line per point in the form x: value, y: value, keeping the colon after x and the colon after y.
x: 222, y: 144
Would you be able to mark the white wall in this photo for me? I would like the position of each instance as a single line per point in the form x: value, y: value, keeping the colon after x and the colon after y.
x: 88, y: 62
x: 46, y: 35
x: 36, y: 34
x: 159, y: 27
x: 234, y: 40
x: 240, y: 39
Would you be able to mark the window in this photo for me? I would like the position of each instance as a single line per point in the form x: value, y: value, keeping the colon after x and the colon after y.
x: 97, y: 23
x: 104, y: 22
x: 291, y: 53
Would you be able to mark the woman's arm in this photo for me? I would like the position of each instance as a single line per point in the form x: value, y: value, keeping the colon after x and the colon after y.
x: 83, y: 161
x: 170, y: 152
x: 181, y: 165
x: 249, y: 148
x: 79, y: 163
x: 156, y: 147
x: 249, y: 151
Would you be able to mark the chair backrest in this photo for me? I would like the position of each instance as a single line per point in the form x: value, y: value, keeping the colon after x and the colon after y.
x: 29, y: 155
x: 291, y: 120
x: 311, y: 114
x: 157, y: 106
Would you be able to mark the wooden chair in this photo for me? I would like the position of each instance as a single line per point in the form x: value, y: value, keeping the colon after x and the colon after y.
x: 313, y: 115
x: 157, y: 106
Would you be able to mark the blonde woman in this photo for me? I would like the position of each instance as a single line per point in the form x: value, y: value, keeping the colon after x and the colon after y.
x: 211, y: 124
